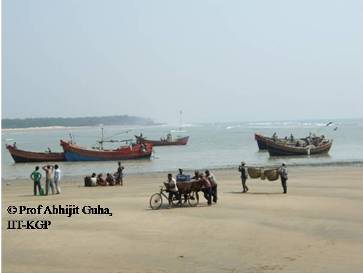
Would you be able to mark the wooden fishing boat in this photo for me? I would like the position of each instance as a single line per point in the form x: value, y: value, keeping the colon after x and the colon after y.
x: 21, y: 156
x: 276, y: 148
x: 163, y: 142
x: 261, y: 141
x: 73, y: 152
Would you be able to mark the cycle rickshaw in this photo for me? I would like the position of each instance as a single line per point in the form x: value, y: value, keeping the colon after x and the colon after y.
x: 188, y: 191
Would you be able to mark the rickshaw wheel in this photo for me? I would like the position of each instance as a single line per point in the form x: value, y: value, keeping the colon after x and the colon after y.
x: 156, y: 201
x: 193, y: 200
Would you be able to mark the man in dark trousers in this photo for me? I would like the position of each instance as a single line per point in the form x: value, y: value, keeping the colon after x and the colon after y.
x: 244, y: 176
x: 36, y: 176
x: 212, y: 180
x: 206, y: 188
x: 119, y: 174
x: 283, y: 176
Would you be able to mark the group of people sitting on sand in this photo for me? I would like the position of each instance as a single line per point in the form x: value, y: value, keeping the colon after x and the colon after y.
x: 110, y: 179
x: 207, y: 180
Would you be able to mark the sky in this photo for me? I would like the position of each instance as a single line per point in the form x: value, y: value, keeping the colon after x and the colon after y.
x: 215, y: 60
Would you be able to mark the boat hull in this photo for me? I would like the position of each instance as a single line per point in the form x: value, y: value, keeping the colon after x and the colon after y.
x: 278, y: 149
x: 21, y: 156
x: 261, y: 142
x: 178, y: 141
x: 75, y: 153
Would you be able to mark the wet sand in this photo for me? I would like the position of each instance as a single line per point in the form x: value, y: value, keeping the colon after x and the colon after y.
x: 316, y: 227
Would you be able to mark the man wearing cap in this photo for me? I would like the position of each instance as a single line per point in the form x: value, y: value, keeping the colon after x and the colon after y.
x: 283, y: 176
x: 244, y: 176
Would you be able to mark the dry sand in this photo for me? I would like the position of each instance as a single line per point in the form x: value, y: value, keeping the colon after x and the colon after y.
x: 316, y: 227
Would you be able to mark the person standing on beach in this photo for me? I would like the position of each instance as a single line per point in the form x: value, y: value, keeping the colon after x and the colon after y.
x: 212, y: 180
x: 48, y: 178
x: 283, y: 175
x: 206, y: 188
x: 57, y: 177
x: 36, y: 177
x: 244, y: 176
x: 119, y: 174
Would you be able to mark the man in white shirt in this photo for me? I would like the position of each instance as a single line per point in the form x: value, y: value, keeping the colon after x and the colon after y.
x: 172, y: 189
x: 57, y: 177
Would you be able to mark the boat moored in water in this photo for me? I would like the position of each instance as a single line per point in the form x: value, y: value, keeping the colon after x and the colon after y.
x: 22, y: 156
x: 261, y: 141
x: 163, y: 142
x: 73, y: 152
x: 278, y: 148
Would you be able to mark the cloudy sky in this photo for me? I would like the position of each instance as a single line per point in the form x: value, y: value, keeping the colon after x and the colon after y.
x: 215, y: 60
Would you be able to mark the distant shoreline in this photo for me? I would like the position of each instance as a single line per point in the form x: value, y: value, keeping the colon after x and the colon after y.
x: 55, y: 122
x: 75, y: 127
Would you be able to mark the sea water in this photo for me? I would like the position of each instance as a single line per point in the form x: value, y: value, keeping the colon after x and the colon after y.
x: 211, y: 145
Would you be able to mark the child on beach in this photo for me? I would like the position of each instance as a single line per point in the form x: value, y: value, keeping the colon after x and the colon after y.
x: 101, y: 181
x: 110, y: 180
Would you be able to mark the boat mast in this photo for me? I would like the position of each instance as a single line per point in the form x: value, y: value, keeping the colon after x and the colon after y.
x: 180, y: 119
x: 101, y: 142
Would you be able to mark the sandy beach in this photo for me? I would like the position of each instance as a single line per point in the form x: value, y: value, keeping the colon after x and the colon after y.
x: 316, y: 227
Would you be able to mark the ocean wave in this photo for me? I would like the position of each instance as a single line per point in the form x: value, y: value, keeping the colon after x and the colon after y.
x: 233, y: 127
x: 289, y: 124
x: 35, y: 128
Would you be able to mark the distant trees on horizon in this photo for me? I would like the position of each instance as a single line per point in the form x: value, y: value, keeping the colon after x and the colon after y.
x: 78, y: 121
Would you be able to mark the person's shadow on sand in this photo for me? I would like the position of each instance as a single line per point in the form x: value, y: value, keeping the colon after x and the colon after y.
x: 254, y: 193
x: 183, y: 206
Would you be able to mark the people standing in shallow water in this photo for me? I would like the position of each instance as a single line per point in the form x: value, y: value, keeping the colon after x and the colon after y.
x: 36, y: 177
x: 283, y: 176
x: 49, y: 182
x: 57, y: 177
x: 242, y: 170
